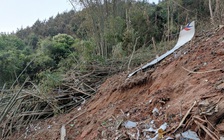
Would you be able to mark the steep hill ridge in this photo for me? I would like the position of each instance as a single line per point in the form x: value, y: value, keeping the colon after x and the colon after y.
x: 172, y: 87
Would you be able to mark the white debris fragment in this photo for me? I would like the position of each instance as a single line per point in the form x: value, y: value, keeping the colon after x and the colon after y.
x: 204, y: 103
x: 128, y: 114
x: 84, y: 100
x: 79, y: 109
x: 155, y: 111
x: 154, y: 138
x: 169, y: 138
x: 188, y: 135
x: 138, y: 133
x: 110, y: 119
x: 150, y: 130
x: 184, y: 37
x: 130, y: 124
x: 49, y: 126
x: 221, y: 137
x: 133, y: 135
x: 151, y: 127
x: 163, y: 127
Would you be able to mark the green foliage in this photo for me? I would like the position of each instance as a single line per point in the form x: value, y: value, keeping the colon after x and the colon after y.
x: 96, y: 33
x: 57, y: 48
x: 118, y: 52
x: 128, y: 40
x: 8, y: 42
x: 69, y: 62
x: 85, y: 50
x: 32, y: 40
x: 114, y: 30
x: 41, y: 63
x: 12, y: 57
x: 49, y: 80
x: 64, y: 39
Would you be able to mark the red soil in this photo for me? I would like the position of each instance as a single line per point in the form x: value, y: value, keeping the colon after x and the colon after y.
x: 172, y: 87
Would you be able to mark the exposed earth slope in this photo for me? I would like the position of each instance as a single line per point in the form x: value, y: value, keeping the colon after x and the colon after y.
x: 187, y: 87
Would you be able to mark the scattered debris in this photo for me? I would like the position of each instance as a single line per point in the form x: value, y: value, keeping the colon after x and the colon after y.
x: 155, y: 111
x: 49, y: 126
x: 185, y: 116
x: 207, y: 130
x: 130, y: 124
x: 191, y: 135
x: 201, y: 102
x: 150, y: 127
x: 207, y: 108
x: 80, y: 108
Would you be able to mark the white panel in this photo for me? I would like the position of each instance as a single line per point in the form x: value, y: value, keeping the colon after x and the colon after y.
x: 186, y: 34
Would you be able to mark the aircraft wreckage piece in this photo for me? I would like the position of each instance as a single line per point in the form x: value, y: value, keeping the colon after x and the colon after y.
x: 186, y: 34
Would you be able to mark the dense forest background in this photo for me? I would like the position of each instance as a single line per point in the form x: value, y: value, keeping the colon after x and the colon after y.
x: 103, y: 31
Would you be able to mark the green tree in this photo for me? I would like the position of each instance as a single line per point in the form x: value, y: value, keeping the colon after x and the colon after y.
x: 58, y: 47
x: 13, y: 56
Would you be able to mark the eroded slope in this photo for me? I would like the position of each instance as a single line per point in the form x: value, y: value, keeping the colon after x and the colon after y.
x: 195, y: 74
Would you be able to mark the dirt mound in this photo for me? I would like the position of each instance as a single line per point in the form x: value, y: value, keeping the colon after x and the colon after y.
x: 184, y: 92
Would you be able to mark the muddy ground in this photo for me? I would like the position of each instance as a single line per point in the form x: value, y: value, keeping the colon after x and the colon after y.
x: 184, y: 91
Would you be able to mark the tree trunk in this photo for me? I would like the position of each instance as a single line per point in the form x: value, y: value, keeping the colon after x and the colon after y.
x: 211, y: 12
x: 217, y: 10
x: 114, y: 7
x: 168, y: 23
x: 217, y: 6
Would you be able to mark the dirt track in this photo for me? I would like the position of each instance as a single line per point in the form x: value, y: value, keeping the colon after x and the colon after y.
x: 171, y: 87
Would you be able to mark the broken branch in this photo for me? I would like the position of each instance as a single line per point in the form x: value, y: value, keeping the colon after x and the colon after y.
x: 185, y: 116
x: 206, y: 130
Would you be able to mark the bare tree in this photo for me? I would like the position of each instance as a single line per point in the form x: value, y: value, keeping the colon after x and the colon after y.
x: 211, y: 12
x: 218, y: 12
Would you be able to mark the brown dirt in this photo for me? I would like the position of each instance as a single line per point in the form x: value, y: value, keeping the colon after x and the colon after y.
x: 172, y: 87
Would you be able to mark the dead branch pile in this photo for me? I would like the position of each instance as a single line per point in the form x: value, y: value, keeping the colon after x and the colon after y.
x: 21, y: 106
x: 79, y: 85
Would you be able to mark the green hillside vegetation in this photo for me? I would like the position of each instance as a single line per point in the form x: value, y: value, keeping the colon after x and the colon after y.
x: 99, y: 33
